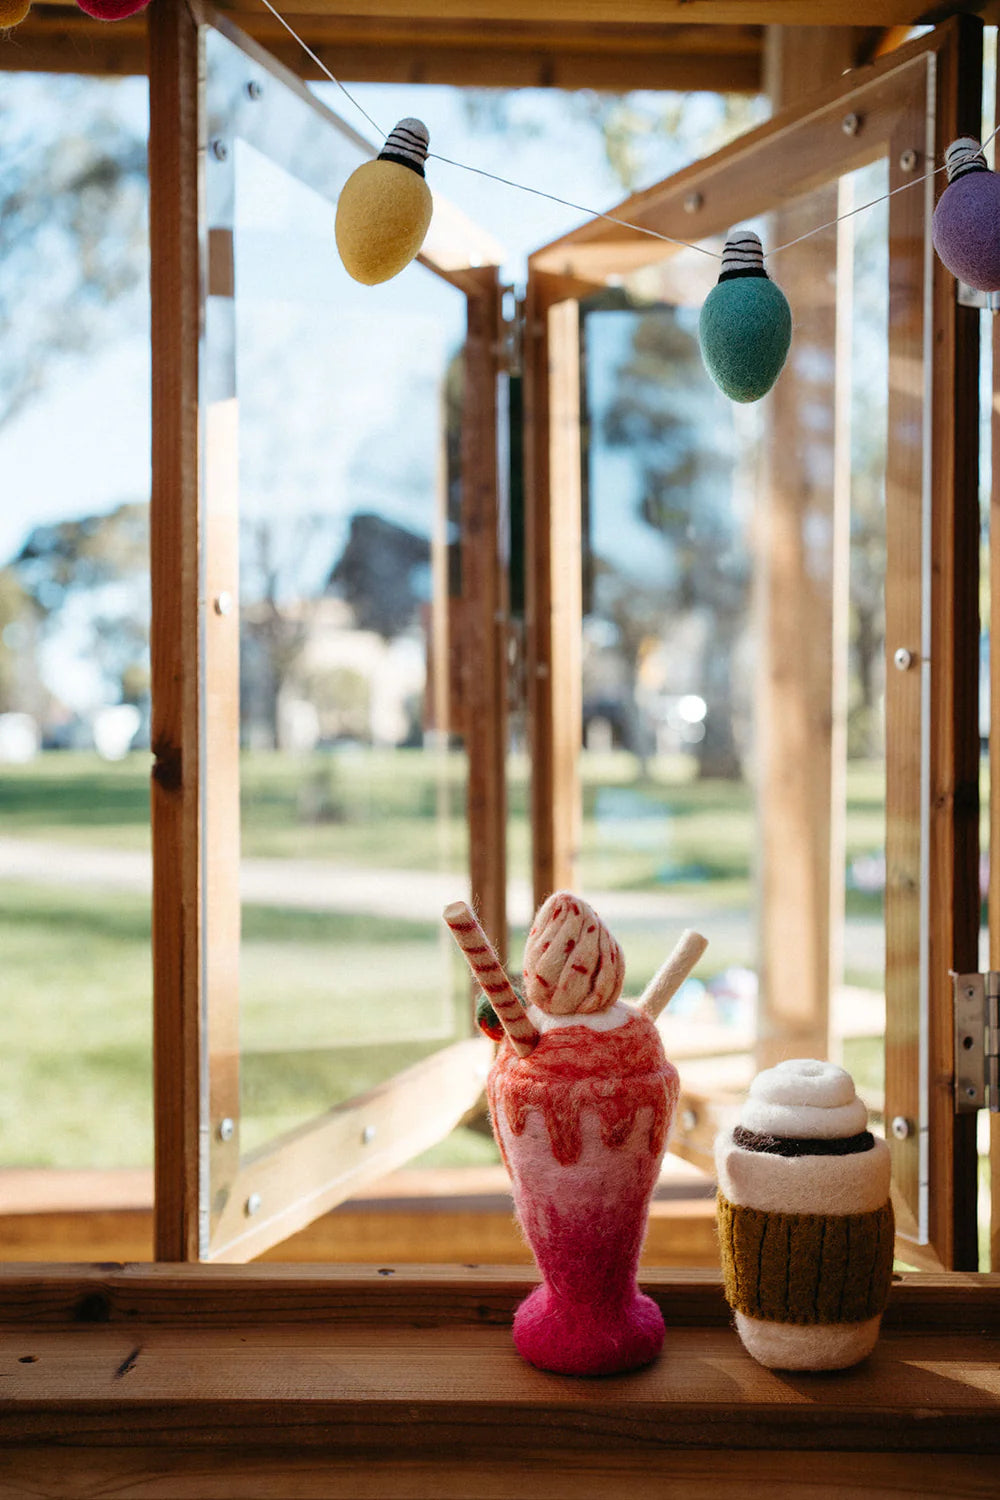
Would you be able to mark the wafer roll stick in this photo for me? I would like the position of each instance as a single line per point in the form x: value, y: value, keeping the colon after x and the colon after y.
x: 490, y: 976
x: 667, y: 981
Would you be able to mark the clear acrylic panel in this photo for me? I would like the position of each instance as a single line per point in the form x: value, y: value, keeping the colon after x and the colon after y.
x: 674, y: 486
x: 352, y: 808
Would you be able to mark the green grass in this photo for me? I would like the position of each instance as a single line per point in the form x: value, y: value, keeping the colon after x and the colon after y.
x: 330, y: 1003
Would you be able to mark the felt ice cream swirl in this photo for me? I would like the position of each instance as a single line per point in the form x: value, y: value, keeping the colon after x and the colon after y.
x: 805, y: 1219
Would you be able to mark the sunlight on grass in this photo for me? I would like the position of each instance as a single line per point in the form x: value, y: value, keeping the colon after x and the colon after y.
x: 332, y: 1002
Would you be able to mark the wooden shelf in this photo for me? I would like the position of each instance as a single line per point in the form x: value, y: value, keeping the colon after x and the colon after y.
x: 183, y: 1380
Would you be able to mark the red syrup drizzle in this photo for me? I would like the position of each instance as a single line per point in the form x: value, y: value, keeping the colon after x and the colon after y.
x: 573, y: 1068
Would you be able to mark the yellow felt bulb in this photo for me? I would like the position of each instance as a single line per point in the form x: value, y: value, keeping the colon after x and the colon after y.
x: 385, y: 207
x: 13, y: 12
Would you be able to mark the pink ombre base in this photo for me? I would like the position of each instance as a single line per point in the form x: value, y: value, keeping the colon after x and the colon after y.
x: 585, y: 1223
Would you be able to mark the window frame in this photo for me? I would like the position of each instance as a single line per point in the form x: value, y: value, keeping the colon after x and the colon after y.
x: 195, y: 733
x: 917, y: 99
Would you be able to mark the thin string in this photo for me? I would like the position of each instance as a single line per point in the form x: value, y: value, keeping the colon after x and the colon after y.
x: 874, y: 202
x: 323, y: 68
x: 595, y: 213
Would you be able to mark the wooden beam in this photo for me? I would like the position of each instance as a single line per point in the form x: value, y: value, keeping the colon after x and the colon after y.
x: 953, y: 902
x: 797, y: 603
x: 175, y: 281
x: 553, y: 574
x: 484, y: 645
x: 820, y: 13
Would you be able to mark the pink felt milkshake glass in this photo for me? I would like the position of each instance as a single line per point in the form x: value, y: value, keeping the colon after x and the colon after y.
x: 582, y: 1122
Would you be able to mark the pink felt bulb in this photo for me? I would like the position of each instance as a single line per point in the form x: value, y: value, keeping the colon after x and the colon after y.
x: 111, y: 10
x: 966, y: 225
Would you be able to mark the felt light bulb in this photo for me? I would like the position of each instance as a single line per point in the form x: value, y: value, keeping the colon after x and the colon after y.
x: 966, y: 224
x: 805, y: 1219
x: 745, y: 326
x: 13, y: 12
x: 385, y: 207
x: 111, y: 10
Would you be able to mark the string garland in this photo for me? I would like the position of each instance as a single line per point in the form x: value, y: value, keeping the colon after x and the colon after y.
x: 596, y: 213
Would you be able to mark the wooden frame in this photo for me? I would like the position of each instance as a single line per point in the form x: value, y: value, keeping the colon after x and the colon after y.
x: 932, y: 719
x: 230, y: 1206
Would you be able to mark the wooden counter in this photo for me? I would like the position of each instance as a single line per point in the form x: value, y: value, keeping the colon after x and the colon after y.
x: 250, y: 1381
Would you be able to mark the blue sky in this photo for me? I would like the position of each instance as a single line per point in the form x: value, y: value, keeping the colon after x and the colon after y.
x: 72, y: 452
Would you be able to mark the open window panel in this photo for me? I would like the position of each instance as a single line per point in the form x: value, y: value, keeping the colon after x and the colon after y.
x: 764, y: 619
x: 329, y: 649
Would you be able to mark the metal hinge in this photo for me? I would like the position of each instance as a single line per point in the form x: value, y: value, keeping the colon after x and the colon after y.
x: 969, y: 296
x: 512, y: 334
x: 977, y: 1042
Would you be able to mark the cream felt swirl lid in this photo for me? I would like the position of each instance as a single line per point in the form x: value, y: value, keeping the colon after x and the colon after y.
x: 804, y: 1098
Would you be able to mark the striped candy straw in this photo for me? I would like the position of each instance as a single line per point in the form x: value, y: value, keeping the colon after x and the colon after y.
x: 489, y: 974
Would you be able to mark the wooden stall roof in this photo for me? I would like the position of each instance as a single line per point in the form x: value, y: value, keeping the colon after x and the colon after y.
x: 664, y: 44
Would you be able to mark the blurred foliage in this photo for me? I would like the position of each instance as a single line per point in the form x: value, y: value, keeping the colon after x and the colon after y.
x: 73, y: 226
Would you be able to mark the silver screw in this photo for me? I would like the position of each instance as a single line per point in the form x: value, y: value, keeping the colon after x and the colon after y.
x: 255, y: 89
x: 908, y: 160
x: 226, y: 1129
x: 220, y: 150
x: 368, y: 1135
x: 224, y: 603
x: 900, y: 1127
x: 851, y: 124
x: 689, y: 1119
x: 902, y: 659
x: 252, y: 1205
x: 693, y: 202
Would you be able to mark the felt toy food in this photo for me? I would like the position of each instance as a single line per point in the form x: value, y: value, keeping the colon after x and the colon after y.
x: 966, y: 224
x: 581, y: 1115
x: 805, y: 1219
x: 112, y: 10
x: 385, y: 207
x: 745, y: 326
x: 13, y: 12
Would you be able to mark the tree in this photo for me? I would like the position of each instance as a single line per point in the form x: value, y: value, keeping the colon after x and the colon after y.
x: 664, y: 414
x: 99, y: 563
x: 73, y: 230
x: 382, y: 574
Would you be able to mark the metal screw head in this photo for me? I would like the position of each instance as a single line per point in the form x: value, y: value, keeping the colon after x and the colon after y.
x: 223, y: 603
x: 902, y: 659
x: 851, y: 124
x: 254, y: 89
x: 689, y: 1119
x: 900, y: 1127
x: 252, y: 1205
x: 220, y: 150
x: 368, y: 1135
x: 227, y: 1129
x: 908, y: 160
x: 693, y: 202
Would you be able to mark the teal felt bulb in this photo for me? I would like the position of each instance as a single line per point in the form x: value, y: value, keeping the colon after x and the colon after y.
x: 745, y: 327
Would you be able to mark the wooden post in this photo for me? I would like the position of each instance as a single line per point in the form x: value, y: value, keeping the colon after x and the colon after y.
x: 484, y: 614
x: 953, y: 903
x: 553, y: 485
x: 797, y: 605
x: 174, y: 139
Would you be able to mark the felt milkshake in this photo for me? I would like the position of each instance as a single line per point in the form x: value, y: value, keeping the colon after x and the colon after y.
x: 581, y: 1117
x: 805, y: 1219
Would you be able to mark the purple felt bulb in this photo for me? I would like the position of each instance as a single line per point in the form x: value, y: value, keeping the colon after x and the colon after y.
x: 966, y: 225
